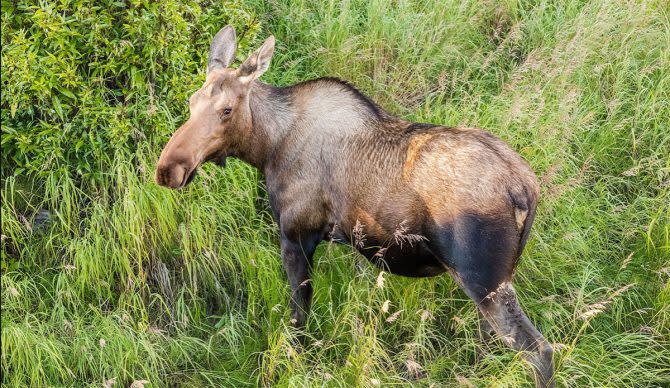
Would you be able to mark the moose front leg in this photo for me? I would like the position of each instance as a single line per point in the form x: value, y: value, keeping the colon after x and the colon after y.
x: 297, y: 257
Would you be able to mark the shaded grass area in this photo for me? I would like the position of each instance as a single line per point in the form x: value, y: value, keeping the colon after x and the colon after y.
x: 129, y: 281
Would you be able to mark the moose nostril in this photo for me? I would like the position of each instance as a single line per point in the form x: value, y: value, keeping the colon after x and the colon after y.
x: 160, y: 175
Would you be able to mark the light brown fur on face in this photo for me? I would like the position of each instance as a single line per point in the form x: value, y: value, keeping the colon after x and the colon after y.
x: 219, y: 112
x: 416, y: 199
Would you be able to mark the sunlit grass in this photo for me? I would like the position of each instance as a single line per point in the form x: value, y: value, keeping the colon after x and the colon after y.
x: 132, y: 282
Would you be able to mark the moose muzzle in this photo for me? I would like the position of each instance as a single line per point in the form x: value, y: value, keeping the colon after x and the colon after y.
x: 179, y: 160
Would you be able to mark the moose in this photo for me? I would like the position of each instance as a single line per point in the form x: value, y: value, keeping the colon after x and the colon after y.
x: 336, y: 163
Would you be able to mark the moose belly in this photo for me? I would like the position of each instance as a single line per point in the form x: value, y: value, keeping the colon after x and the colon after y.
x: 391, y: 237
x: 412, y: 259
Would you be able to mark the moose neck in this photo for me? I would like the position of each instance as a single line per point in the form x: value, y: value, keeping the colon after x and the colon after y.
x: 271, y: 117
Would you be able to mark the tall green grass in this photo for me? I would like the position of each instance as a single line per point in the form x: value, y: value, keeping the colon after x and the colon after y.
x: 128, y: 282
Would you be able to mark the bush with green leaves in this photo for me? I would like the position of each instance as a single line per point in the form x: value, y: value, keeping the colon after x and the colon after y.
x: 85, y: 80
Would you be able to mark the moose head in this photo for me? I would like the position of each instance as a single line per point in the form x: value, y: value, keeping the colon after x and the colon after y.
x: 220, y: 114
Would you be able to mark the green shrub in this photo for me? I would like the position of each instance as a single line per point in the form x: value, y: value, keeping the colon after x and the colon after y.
x: 84, y: 80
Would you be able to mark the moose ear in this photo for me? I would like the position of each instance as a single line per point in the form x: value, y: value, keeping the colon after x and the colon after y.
x: 259, y: 61
x: 222, y: 50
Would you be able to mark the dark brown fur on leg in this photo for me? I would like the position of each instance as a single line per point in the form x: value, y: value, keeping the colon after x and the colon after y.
x: 504, y: 314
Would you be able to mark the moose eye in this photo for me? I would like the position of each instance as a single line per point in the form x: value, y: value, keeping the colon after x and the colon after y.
x: 225, y: 113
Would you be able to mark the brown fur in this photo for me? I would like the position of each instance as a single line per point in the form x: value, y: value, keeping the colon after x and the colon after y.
x: 416, y: 199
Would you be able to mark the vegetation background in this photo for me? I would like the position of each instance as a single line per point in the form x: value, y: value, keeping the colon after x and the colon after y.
x: 108, y: 279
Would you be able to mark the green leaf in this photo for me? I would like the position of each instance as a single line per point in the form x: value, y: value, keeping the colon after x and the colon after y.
x: 55, y: 101
x: 67, y: 93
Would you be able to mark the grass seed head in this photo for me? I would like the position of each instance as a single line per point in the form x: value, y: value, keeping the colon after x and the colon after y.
x: 380, y: 279
x: 394, y: 316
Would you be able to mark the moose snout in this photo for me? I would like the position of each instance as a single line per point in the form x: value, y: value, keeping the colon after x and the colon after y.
x: 176, y: 163
x: 172, y: 175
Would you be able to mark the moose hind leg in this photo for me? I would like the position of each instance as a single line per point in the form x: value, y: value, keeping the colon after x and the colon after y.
x: 502, y: 311
x: 480, y: 252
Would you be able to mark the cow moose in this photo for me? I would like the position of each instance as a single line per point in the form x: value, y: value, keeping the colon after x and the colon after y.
x: 334, y: 161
